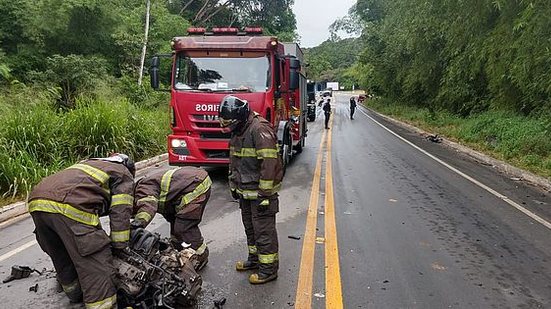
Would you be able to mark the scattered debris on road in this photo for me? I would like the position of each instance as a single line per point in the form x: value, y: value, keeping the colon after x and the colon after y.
x: 20, y: 272
x: 320, y: 240
x: 219, y: 304
x: 294, y: 237
x: 34, y: 288
x: 434, y: 138
x: 319, y: 295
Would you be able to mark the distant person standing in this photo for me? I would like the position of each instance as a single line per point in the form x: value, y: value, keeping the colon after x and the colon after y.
x: 327, y: 112
x: 352, y: 107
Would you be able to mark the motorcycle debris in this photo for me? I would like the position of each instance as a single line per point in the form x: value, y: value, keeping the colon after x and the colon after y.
x: 34, y: 288
x: 219, y: 304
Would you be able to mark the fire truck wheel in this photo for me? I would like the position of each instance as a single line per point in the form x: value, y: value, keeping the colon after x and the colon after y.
x: 287, y: 150
x: 300, y: 146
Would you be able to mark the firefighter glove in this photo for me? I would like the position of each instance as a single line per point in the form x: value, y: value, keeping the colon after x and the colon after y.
x: 137, y: 223
x: 235, y: 195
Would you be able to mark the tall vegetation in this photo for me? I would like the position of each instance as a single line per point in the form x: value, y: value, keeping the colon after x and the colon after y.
x: 69, y: 71
x: 461, y: 56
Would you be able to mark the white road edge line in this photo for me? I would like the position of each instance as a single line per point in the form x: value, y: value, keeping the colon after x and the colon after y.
x: 476, y: 182
x: 17, y: 250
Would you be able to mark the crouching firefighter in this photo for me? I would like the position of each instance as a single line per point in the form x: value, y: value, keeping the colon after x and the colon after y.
x: 66, y: 207
x: 180, y: 196
x: 255, y: 175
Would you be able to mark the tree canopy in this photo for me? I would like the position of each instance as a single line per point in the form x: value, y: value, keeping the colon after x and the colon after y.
x: 110, y: 33
x: 463, y: 56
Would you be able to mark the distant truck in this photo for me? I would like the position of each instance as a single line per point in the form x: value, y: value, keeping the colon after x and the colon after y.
x: 333, y: 85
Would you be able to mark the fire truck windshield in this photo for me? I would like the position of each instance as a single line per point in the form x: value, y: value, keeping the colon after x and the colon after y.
x: 228, y: 74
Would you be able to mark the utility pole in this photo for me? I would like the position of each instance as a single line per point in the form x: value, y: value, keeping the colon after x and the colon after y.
x: 144, y: 49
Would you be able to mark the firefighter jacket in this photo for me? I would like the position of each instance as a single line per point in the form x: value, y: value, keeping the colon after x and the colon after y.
x: 170, y: 192
x: 255, y: 163
x: 86, y: 191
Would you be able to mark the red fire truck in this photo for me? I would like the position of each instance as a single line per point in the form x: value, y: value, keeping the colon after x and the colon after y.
x: 207, y: 66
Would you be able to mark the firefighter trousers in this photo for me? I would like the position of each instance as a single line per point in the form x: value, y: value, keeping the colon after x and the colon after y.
x: 81, y: 255
x: 260, y: 227
x: 184, y: 225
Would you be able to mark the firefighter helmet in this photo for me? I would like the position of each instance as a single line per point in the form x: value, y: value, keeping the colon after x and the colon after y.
x: 232, y: 112
x: 125, y: 160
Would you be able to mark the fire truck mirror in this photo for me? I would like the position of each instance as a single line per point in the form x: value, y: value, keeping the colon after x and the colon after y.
x: 294, y: 65
x: 154, y: 72
x: 293, y: 80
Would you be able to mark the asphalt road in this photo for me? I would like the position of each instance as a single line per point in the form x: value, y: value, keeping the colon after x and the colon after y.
x: 381, y: 225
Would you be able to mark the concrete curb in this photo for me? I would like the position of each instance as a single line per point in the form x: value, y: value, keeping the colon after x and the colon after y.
x: 19, y: 208
x: 499, y: 165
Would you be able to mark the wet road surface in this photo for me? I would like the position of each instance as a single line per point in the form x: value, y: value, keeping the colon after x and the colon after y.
x: 386, y: 226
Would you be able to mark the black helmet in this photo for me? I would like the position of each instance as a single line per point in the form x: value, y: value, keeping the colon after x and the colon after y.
x: 232, y: 112
x: 125, y: 160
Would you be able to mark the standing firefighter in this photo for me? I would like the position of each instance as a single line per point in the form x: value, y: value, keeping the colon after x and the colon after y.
x: 255, y: 177
x: 352, y: 107
x: 66, y: 207
x: 180, y: 196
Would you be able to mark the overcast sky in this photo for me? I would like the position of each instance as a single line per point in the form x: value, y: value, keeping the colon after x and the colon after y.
x: 315, y: 16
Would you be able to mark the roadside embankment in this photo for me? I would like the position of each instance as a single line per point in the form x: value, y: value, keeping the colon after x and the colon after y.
x: 517, y: 145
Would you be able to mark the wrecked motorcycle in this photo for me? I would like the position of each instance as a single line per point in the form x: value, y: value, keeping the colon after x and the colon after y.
x: 152, y: 274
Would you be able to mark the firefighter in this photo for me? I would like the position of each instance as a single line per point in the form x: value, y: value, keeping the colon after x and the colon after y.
x: 352, y: 107
x: 180, y: 196
x: 255, y: 175
x: 66, y: 207
x: 327, y: 112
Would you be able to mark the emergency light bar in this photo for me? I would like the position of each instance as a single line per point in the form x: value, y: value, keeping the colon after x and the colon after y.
x: 224, y: 31
x: 195, y: 30
x: 253, y: 30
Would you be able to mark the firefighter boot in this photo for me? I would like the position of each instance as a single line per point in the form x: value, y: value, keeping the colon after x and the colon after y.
x: 202, y: 257
x: 267, y: 272
x: 250, y: 263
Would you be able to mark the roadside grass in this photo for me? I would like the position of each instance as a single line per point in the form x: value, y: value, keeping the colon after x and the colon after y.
x: 522, y: 141
x: 37, y: 140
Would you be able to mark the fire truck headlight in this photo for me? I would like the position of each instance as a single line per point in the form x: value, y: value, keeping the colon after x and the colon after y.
x: 178, y: 143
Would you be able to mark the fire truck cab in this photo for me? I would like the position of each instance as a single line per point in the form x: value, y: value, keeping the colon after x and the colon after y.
x: 207, y: 66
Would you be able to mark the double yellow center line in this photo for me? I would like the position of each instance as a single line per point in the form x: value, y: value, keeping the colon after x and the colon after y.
x: 333, y: 288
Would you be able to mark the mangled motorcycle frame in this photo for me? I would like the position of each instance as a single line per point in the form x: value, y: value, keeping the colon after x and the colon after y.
x: 152, y: 274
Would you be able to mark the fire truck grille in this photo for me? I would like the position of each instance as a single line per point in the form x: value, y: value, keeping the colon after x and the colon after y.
x: 207, y: 125
x: 216, y: 135
x: 217, y: 154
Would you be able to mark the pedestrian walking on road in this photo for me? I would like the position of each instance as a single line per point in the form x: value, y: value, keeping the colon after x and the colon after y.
x: 327, y: 112
x: 352, y: 107
x: 66, y: 207
x: 180, y: 196
x: 255, y: 175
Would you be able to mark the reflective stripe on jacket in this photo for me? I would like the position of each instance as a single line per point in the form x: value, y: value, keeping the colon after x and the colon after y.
x: 169, y: 192
x: 87, y: 190
x: 255, y: 162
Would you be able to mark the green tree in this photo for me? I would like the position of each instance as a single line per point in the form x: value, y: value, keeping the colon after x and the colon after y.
x: 70, y: 75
